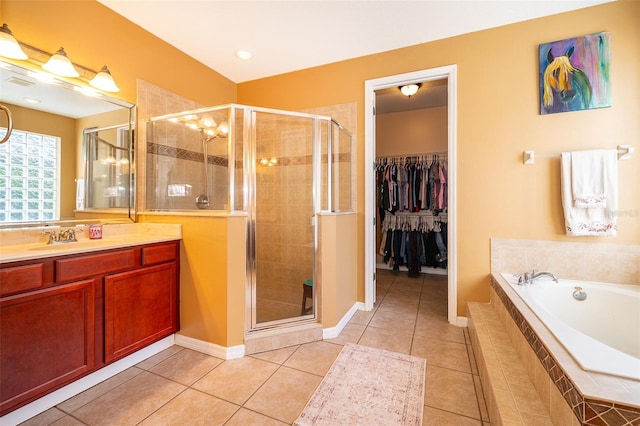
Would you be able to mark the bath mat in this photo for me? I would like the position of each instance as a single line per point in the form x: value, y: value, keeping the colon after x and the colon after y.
x: 367, y: 386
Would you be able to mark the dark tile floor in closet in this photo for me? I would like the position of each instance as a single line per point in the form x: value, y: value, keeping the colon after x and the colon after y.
x: 179, y: 386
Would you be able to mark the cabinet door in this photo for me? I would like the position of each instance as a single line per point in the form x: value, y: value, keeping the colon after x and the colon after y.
x: 140, y: 307
x: 46, y: 341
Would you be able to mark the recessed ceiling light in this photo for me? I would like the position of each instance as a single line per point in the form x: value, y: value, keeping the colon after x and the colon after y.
x: 244, y: 54
x: 32, y: 100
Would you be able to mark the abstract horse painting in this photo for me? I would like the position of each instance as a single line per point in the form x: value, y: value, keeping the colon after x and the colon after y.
x: 574, y: 74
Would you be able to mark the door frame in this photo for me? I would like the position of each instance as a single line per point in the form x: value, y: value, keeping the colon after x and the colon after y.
x: 370, y: 86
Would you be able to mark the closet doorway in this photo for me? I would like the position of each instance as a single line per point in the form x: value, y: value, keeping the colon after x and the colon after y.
x: 411, y: 142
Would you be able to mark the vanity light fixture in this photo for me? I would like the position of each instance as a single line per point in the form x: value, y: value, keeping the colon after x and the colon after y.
x: 60, y: 64
x: 9, y: 46
x: 410, y: 89
x: 104, y: 81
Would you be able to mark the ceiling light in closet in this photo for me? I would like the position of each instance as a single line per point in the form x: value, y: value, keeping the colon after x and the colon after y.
x: 410, y: 89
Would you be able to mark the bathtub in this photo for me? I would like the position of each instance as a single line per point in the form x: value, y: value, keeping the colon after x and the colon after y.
x: 601, y: 333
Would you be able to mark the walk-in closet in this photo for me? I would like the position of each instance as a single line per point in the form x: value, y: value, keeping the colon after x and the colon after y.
x: 411, y: 172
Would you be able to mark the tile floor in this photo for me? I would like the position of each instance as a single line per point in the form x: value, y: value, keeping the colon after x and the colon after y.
x: 182, y: 387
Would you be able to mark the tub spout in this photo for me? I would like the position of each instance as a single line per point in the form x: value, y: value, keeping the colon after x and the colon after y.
x: 535, y: 275
x: 530, y: 277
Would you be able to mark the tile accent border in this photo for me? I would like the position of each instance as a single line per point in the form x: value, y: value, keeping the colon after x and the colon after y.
x: 184, y: 154
x: 587, y: 411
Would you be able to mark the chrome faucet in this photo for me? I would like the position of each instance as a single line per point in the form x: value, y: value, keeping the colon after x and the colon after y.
x: 530, y: 277
x: 63, y: 236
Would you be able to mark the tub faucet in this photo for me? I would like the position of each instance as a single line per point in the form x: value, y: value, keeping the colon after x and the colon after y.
x: 530, y: 277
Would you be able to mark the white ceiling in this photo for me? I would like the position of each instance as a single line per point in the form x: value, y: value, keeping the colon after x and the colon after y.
x: 291, y: 35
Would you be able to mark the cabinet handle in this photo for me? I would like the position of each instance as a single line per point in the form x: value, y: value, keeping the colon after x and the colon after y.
x: 9, y: 124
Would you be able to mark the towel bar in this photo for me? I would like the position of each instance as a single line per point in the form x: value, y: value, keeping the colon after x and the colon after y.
x: 529, y: 156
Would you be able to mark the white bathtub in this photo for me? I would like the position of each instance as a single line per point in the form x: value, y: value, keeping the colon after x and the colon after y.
x: 602, y: 333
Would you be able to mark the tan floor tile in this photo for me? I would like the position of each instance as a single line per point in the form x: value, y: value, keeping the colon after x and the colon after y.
x: 452, y: 391
x: 472, y: 360
x: 45, y: 418
x: 351, y: 333
x: 192, y: 408
x: 67, y: 421
x: 314, y: 357
x: 442, y: 353
x: 435, y: 417
x: 277, y: 356
x: 408, y: 304
x: 101, y: 388
x: 362, y: 317
x: 393, y: 319
x: 433, y: 309
x: 285, y: 394
x: 482, y: 403
x: 186, y: 366
x: 390, y: 340
x: 159, y: 357
x: 434, y: 326
x: 237, y: 379
x: 130, y: 402
x: 246, y: 417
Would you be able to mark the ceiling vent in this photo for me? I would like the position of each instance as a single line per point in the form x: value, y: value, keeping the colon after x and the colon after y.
x: 20, y: 82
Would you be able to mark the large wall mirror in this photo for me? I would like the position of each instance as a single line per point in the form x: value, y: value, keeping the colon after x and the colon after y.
x: 70, y: 155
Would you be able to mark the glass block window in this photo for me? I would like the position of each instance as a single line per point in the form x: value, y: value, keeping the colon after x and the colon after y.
x: 29, y: 171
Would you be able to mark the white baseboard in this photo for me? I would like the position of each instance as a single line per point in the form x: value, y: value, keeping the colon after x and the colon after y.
x: 208, y: 348
x: 462, y: 321
x: 332, y: 332
x: 72, y: 389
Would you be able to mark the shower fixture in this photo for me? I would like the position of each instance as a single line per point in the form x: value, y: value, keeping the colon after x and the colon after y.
x: 202, y: 200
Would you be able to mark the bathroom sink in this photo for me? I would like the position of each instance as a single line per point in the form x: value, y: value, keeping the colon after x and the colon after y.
x: 75, y: 245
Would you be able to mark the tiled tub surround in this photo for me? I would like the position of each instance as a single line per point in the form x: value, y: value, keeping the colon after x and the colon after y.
x: 591, y: 398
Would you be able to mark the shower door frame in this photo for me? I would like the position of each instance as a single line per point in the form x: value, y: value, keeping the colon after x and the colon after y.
x: 250, y: 160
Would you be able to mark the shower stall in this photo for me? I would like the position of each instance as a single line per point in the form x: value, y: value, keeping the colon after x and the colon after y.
x: 108, y: 174
x: 280, y: 169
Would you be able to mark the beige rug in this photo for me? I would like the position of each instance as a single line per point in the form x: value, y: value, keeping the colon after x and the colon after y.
x: 368, y: 386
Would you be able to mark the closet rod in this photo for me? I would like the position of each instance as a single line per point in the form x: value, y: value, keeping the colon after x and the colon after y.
x: 427, y: 155
x: 529, y: 156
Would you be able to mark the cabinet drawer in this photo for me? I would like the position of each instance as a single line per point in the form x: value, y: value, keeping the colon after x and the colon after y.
x: 75, y: 268
x: 25, y: 277
x: 158, y: 254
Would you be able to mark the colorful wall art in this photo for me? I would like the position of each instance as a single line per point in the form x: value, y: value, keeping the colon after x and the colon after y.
x: 574, y: 74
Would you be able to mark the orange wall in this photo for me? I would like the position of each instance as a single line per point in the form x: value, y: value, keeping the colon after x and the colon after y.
x: 497, y: 119
x: 411, y: 132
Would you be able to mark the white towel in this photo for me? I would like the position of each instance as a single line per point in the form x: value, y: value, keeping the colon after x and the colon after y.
x: 580, y: 221
x: 588, y: 183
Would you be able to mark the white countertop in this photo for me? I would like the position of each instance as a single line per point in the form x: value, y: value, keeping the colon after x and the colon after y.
x: 22, y: 247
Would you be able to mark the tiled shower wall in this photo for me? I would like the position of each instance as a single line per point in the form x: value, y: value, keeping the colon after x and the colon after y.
x: 285, y: 253
x: 176, y: 156
x: 153, y: 101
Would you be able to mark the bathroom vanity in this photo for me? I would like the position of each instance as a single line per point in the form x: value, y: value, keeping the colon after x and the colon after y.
x: 68, y: 311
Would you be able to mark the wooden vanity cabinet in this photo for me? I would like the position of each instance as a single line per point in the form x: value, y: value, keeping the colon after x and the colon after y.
x: 46, y: 341
x: 65, y: 317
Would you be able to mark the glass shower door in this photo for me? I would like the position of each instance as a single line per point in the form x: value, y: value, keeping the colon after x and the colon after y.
x: 282, y: 231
